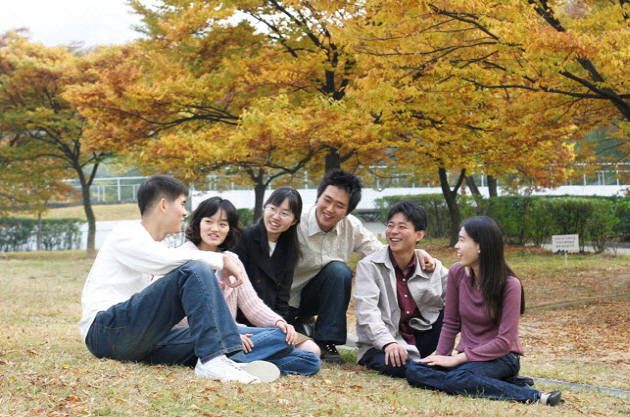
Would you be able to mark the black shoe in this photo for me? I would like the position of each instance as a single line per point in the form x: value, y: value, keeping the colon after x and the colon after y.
x: 521, y: 381
x: 555, y: 397
x: 304, y: 328
x: 330, y: 353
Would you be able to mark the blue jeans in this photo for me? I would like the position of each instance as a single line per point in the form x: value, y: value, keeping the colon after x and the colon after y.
x: 426, y: 342
x: 327, y: 296
x: 375, y: 359
x: 270, y: 345
x: 141, y: 328
x: 474, y: 379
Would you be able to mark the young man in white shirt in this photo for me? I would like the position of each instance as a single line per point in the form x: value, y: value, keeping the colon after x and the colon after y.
x: 128, y: 317
x: 322, y: 282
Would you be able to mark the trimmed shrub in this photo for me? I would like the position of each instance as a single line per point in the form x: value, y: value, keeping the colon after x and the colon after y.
x: 571, y: 216
x: 601, y: 224
x: 61, y: 234
x: 539, y: 220
x: 20, y: 234
x: 622, y: 214
x: 16, y: 233
x: 510, y: 214
x: 527, y: 219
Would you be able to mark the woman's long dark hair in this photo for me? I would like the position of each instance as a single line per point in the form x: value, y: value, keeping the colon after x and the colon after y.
x: 493, y: 269
x: 288, y: 239
x: 209, y: 208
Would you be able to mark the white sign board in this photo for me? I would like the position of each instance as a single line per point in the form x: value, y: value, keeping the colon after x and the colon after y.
x: 565, y: 243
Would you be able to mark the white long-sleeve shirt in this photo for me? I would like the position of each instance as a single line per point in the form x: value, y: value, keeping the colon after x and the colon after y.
x: 125, y: 264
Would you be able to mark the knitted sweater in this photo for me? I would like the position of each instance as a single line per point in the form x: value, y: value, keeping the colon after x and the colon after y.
x: 244, y: 297
x: 480, y: 339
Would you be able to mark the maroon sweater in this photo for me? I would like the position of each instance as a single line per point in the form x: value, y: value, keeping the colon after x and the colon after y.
x: 480, y: 339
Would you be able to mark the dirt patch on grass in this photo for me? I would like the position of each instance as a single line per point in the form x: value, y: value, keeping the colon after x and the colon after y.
x: 595, y: 331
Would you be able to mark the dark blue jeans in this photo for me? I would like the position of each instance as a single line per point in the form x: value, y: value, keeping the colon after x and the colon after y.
x: 141, y: 328
x: 474, y: 379
x: 426, y: 342
x: 327, y: 296
x: 270, y: 345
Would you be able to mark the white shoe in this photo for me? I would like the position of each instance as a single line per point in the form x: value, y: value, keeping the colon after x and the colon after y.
x: 225, y: 370
x: 265, y: 371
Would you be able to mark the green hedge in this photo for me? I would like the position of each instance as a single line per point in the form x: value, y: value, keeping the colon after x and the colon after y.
x: 535, y: 219
x: 20, y: 234
x: 526, y: 219
x: 622, y: 214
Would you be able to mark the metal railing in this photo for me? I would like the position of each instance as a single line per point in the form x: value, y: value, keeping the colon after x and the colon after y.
x: 116, y: 189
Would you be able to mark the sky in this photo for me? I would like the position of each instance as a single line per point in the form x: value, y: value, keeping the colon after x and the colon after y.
x: 62, y: 22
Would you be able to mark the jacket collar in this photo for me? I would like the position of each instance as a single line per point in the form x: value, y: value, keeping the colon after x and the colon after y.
x: 381, y: 256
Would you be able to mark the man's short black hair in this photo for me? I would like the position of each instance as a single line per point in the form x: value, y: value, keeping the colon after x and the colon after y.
x: 413, y: 212
x: 156, y: 187
x: 346, y: 181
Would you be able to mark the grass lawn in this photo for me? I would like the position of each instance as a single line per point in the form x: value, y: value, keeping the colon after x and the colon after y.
x: 103, y: 212
x: 45, y: 369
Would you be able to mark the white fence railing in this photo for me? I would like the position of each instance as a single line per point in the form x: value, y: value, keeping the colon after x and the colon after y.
x: 115, y: 189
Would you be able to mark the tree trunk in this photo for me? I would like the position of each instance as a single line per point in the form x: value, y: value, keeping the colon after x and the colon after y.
x: 492, y: 186
x: 451, y: 202
x: 476, y: 194
x: 257, y: 175
x: 333, y: 160
x: 470, y: 182
x: 259, y: 192
x: 89, y: 213
x: 39, y: 231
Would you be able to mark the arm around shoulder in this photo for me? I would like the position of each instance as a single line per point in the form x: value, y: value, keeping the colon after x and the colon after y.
x: 365, y: 242
x: 133, y: 246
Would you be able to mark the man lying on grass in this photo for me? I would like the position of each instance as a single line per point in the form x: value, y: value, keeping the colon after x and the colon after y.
x: 128, y: 317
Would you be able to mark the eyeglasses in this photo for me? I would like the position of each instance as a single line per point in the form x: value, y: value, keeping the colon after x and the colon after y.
x: 285, y: 214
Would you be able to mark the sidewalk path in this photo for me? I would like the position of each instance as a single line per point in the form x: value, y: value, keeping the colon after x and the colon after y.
x: 351, y: 344
x: 584, y: 387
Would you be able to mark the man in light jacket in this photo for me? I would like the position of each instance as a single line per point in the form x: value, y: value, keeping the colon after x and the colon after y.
x: 399, y: 306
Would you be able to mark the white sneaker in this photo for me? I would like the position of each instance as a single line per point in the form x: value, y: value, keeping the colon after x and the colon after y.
x: 265, y: 371
x: 225, y: 370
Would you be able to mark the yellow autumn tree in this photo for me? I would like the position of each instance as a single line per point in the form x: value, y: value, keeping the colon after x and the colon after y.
x: 428, y: 78
x: 38, y: 126
x: 185, y: 99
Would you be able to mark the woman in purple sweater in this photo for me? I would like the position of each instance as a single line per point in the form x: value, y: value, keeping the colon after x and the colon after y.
x: 483, y: 302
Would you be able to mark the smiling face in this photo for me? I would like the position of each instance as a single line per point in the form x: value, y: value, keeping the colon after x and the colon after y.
x: 278, y: 219
x: 175, y: 214
x: 402, y: 236
x: 332, y: 206
x: 467, y: 250
x: 213, y: 231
